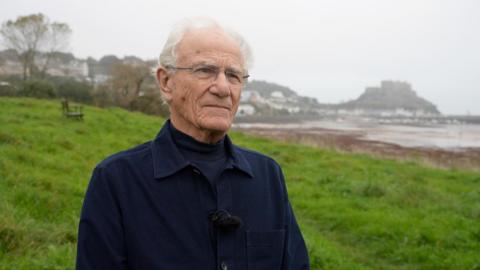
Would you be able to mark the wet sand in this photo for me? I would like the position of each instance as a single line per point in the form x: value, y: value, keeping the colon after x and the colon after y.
x: 446, y: 146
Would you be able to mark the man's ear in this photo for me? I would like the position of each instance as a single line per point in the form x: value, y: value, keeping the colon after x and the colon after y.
x: 164, y: 79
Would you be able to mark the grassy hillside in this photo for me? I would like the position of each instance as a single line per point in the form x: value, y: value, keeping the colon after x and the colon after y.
x: 356, y: 212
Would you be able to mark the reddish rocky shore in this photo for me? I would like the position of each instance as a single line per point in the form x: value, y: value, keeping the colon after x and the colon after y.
x: 354, y: 142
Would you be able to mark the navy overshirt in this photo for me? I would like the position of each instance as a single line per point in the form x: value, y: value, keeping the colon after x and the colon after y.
x: 148, y: 208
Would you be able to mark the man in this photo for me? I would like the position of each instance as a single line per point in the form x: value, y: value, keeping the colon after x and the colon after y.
x: 190, y: 199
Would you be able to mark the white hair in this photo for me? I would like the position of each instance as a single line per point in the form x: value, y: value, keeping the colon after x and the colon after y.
x: 168, y: 55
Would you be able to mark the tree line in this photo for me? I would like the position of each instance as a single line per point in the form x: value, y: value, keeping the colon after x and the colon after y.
x: 38, y: 44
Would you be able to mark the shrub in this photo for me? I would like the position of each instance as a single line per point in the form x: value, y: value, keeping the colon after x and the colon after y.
x: 72, y: 89
x: 37, y: 88
x: 103, y: 96
x: 149, y: 104
x: 6, y: 89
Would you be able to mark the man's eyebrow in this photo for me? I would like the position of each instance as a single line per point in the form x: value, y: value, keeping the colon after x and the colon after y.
x: 234, y: 68
x: 203, y: 63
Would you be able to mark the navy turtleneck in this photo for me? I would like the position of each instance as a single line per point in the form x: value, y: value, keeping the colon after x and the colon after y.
x: 209, y: 159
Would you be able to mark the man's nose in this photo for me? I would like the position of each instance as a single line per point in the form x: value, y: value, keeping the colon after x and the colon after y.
x: 221, y: 85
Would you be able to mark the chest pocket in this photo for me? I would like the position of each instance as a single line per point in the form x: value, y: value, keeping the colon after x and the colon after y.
x: 265, y: 249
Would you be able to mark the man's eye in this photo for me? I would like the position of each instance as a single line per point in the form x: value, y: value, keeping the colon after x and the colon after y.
x: 206, y: 70
x: 233, y: 76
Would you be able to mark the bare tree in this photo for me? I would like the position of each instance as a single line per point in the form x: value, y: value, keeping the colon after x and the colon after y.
x: 127, y: 80
x: 32, y: 35
x: 56, y: 40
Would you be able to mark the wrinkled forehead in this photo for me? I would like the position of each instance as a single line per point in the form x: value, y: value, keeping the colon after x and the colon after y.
x: 208, y: 45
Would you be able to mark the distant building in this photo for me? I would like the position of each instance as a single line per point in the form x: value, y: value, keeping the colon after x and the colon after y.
x: 56, y: 67
x: 245, y: 109
x: 10, y: 67
x: 251, y: 96
x: 74, y: 68
x: 100, y: 78
x: 277, y: 95
x: 390, y: 99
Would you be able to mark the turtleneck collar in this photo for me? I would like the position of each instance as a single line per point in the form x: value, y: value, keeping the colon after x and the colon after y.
x: 194, y: 150
x: 164, y: 145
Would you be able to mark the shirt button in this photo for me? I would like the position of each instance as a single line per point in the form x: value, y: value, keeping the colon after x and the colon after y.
x: 224, y: 266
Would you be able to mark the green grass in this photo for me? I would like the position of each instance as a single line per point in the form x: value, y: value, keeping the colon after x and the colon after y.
x: 356, y: 212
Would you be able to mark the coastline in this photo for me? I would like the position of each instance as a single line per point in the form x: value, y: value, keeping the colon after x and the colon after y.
x: 445, y: 146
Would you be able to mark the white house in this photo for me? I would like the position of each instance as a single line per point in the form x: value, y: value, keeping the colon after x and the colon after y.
x: 245, y: 109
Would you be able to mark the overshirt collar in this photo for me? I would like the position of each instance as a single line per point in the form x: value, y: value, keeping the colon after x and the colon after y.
x: 168, y: 160
x: 237, y: 159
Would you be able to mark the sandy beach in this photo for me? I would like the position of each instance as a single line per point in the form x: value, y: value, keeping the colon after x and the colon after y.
x: 441, y: 145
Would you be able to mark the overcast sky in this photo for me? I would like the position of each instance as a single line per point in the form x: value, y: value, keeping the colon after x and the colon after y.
x: 330, y: 50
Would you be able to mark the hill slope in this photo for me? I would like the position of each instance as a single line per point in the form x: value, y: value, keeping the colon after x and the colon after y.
x: 265, y: 89
x: 356, y: 212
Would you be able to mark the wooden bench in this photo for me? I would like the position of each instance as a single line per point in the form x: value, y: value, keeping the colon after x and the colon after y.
x: 74, y: 112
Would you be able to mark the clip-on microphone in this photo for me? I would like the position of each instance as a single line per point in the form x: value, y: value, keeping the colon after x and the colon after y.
x: 224, y: 220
